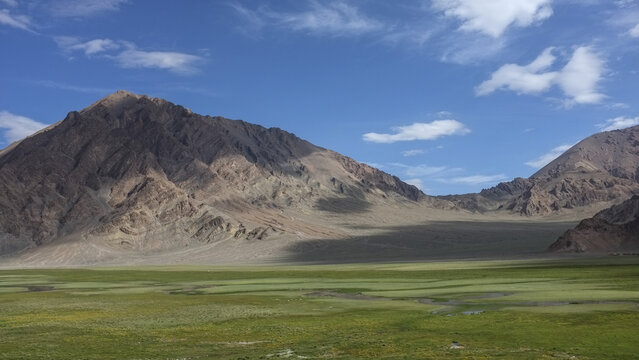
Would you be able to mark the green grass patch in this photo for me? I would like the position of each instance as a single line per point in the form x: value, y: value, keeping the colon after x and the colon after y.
x: 570, y: 309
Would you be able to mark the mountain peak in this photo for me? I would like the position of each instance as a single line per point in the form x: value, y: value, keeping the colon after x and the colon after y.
x: 117, y: 101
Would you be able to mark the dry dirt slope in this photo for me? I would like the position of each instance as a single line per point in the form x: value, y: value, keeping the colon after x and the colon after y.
x: 133, y: 174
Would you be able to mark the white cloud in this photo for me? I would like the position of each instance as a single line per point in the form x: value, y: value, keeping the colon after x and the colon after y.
x: 620, y: 122
x: 90, y: 47
x: 82, y: 8
x: 420, y: 131
x: 522, y: 79
x: 412, y: 152
x: 418, y: 183
x: 127, y: 55
x: 166, y: 60
x: 578, y: 79
x: 18, y: 127
x: 545, y: 159
x: 476, y: 179
x: 634, y: 32
x: 334, y: 18
x: 17, y: 21
x: 494, y: 17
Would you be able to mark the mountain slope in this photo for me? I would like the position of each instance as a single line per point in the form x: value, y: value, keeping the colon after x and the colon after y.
x: 613, y: 229
x: 133, y: 173
x: 598, y: 171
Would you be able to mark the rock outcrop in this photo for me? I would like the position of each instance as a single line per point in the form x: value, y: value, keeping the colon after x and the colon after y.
x: 615, y: 229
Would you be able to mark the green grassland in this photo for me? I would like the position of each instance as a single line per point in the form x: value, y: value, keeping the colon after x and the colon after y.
x: 543, y: 309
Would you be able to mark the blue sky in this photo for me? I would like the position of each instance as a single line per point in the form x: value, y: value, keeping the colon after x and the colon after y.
x: 451, y: 95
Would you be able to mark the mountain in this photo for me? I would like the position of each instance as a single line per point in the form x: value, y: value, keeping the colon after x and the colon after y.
x: 614, y: 229
x: 598, y: 171
x: 139, y: 174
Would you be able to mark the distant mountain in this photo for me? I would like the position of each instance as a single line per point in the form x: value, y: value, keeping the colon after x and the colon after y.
x: 615, y: 229
x: 600, y: 170
x: 133, y: 173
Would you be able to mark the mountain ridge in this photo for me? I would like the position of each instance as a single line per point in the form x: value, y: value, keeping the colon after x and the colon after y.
x: 130, y: 167
x: 599, y: 170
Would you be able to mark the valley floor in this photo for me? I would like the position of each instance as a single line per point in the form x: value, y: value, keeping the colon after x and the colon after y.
x: 518, y: 309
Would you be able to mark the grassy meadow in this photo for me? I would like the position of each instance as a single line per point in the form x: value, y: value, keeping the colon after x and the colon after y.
x: 544, y: 309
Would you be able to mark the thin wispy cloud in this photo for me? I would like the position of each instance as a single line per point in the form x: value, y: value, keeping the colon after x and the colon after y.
x: 419, y: 131
x: 21, y: 22
x: 493, y: 17
x: 75, y: 88
x: 91, y: 47
x: 578, y: 79
x: 546, y: 158
x: 336, y: 18
x: 617, y: 123
x: 84, y: 8
x: 18, y: 127
x: 634, y: 32
x: 423, y: 170
x: 476, y: 179
x: 412, y: 152
x: 166, y: 60
x: 10, y: 3
x: 127, y: 55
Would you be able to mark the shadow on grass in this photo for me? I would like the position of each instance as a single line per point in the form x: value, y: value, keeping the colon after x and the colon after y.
x: 435, y: 240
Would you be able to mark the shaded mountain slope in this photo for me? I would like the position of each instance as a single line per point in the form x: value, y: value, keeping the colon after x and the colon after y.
x: 139, y: 173
x: 612, y: 229
x: 598, y: 171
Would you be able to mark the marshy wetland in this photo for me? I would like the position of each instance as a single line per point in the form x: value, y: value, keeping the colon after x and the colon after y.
x: 524, y: 309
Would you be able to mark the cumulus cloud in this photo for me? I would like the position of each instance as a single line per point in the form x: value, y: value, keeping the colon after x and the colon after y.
x: 477, y: 179
x: 18, y: 127
x: 494, y: 17
x: 82, y: 8
x: 420, y: 131
x: 578, y: 79
x: 127, y: 55
x: 620, y: 122
x: 21, y: 22
x: 412, y: 152
x: 546, y: 158
x: 522, y: 79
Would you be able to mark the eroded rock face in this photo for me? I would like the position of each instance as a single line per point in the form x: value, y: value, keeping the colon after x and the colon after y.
x: 132, y: 169
x: 611, y: 230
x: 603, y: 168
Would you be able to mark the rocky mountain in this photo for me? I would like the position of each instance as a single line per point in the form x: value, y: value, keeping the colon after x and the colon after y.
x: 598, y: 171
x: 614, y: 229
x: 142, y: 174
